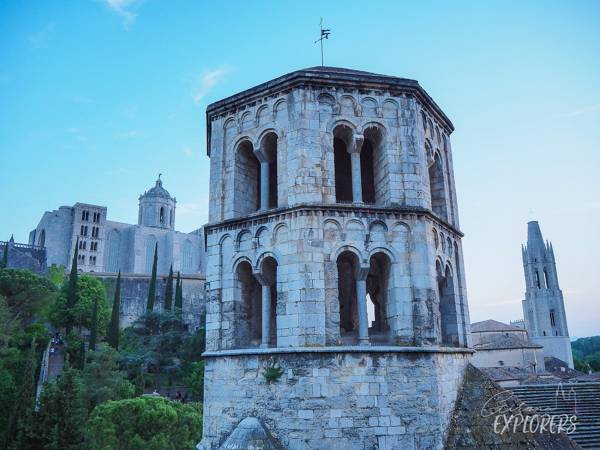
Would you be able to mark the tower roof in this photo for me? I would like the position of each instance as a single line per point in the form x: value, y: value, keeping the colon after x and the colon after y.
x: 534, y: 235
x: 325, y: 76
x: 157, y: 191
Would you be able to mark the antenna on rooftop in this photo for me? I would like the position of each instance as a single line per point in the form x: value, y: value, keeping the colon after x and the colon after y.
x: 325, y: 32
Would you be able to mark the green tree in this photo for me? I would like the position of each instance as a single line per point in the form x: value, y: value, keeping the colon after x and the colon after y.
x: 94, y: 326
x: 169, y: 290
x: 21, y: 428
x: 152, y: 288
x: 112, y: 336
x: 62, y: 412
x: 4, y: 262
x: 143, y: 423
x: 25, y: 292
x: 9, y: 324
x: 195, y: 379
x: 72, y: 290
x: 56, y: 274
x: 102, y: 378
x: 179, y: 294
x: 80, y: 314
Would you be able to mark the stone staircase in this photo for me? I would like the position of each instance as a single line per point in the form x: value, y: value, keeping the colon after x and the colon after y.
x: 580, y: 399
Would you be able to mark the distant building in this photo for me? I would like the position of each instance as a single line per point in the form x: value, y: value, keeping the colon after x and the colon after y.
x: 543, y: 307
x: 500, y: 345
x: 107, y: 246
x: 24, y: 256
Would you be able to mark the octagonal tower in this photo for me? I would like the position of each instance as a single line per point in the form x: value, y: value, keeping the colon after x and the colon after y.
x: 333, y: 251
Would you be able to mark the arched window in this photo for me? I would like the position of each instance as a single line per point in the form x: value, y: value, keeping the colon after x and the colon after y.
x: 379, y: 294
x: 546, y: 280
x: 269, y: 289
x: 269, y: 153
x: 347, y: 264
x: 42, y: 239
x: 538, y: 283
x: 249, y: 306
x: 162, y: 216
x: 552, y: 318
x: 342, y: 164
x: 171, y: 218
x: 150, y: 246
x: 437, y: 187
x: 112, y: 251
x: 373, y: 167
x: 246, y: 196
x: 187, y: 257
x: 448, y: 311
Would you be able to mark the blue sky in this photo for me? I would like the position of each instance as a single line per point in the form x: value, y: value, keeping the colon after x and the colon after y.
x: 97, y: 97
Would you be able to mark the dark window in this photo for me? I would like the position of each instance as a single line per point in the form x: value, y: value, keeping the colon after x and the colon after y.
x: 343, y: 172
x: 552, y: 318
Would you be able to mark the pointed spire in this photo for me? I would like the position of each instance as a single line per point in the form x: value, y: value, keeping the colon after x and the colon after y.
x: 535, y: 241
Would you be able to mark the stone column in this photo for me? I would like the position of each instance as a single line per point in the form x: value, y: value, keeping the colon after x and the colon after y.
x: 264, y: 185
x: 266, y: 316
x: 354, y: 150
x: 361, y: 305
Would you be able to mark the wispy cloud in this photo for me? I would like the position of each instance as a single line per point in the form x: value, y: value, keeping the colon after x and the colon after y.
x: 132, y: 134
x: 80, y: 99
x: 187, y: 151
x: 127, y: 9
x: 206, y: 82
x: 40, y: 38
x: 579, y: 112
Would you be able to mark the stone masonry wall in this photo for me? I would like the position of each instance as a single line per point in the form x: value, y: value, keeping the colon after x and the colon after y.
x: 396, y: 399
x: 134, y: 295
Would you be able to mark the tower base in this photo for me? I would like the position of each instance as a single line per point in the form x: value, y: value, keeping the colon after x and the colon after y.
x: 335, y: 397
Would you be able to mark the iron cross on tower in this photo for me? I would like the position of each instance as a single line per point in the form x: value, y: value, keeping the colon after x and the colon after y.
x: 325, y: 32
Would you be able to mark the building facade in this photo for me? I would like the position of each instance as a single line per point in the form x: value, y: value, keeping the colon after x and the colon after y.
x: 333, y: 252
x: 106, y: 246
x: 543, y: 307
x: 498, y: 344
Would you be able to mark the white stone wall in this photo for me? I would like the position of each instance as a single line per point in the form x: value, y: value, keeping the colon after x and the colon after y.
x: 57, y: 227
x: 521, y: 357
x: 336, y: 400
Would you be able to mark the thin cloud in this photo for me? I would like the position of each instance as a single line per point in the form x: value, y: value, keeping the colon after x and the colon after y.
x: 125, y: 9
x: 187, y: 151
x: 206, y: 82
x: 132, y: 134
x: 581, y: 111
x: 40, y: 38
x: 80, y: 99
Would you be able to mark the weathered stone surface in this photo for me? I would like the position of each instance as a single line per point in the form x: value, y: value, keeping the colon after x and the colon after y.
x: 250, y: 435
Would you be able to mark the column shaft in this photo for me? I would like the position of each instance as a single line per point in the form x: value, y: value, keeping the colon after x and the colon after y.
x: 356, y: 177
x: 266, y: 316
x: 363, y: 319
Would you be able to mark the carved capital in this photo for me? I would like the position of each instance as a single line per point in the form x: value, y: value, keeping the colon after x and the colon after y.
x: 357, y: 143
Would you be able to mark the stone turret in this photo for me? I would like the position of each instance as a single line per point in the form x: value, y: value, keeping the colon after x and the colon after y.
x: 157, y: 207
x: 334, y: 254
x: 543, y: 307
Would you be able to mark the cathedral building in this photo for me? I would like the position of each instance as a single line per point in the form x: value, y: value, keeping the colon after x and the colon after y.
x: 106, y: 246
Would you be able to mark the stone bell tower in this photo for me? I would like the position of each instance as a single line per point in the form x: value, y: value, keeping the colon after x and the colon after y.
x: 544, y: 307
x: 334, y: 252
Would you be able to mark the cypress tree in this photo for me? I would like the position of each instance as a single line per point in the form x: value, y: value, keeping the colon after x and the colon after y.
x: 113, y: 328
x: 179, y: 293
x: 94, y: 329
x: 169, y: 290
x: 152, y: 288
x: 72, y: 296
x: 4, y: 262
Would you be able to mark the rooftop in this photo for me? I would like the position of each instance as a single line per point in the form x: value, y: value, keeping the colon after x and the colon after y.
x: 493, y: 325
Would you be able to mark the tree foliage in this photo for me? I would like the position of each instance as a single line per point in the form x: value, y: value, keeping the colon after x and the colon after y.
x: 586, y: 353
x: 143, y: 423
x: 152, y: 287
x: 80, y: 314
x: 71, y: 289
x: 169, y: 290
x: 25, y: 292
x: 112, y: 335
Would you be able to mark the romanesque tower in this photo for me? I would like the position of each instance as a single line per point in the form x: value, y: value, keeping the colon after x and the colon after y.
x: 543, y: 307
x: 334, y: 252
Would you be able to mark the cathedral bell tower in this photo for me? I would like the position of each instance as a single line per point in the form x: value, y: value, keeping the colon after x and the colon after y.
x: 157, y: 207
x: 337, y: 314
x: 543, y: 307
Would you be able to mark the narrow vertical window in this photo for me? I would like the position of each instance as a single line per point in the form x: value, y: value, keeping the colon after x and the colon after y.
x: 537, y: 280
x: 552, y: 318
x: 546, y: 281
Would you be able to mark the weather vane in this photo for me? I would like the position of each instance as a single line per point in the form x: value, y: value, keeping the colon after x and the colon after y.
x: 325, y: 32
